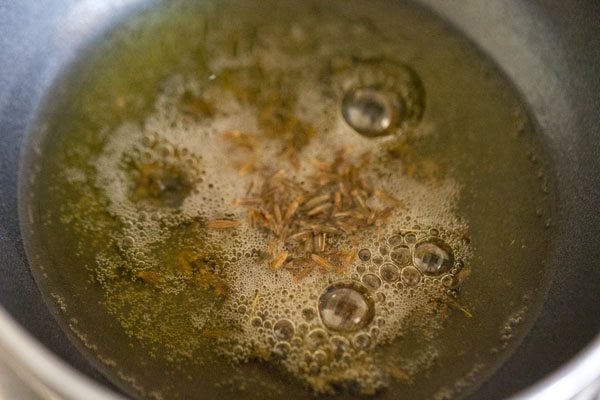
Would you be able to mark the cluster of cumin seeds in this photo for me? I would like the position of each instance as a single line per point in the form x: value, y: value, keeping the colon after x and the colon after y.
x: 309, y: 221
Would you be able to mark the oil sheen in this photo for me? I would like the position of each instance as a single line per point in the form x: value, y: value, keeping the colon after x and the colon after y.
x: 288, y: 200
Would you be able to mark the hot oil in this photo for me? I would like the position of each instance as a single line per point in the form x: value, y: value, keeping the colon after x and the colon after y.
x: 192, y: 176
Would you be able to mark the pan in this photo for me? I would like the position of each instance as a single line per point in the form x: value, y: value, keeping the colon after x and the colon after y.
x: 549, y: 50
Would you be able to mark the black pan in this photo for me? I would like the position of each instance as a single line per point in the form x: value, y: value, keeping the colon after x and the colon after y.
x: 549, y: 49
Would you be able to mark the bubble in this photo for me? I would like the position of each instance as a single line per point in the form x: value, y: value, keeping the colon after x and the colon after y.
x: 149, y: 140
x: 284, y: 329
x: 401, y: 255
x: 303, y: 327
x: 346, y: 307
x: 314, y: 368
x: 361, y: 340
x: 384, y: 250
x: 433, y: 257
x: 378, y: 260
x: 256, y: 322
x: 128, y: 241
x: 282, y: 349
x: 267, y: 324
x: 449, y: 281
x: 320, y: 357
x: 371, y: 112
x: 375, y: 331
x: 389, y: 272
x: 381, y: 96
x: 316, y: 339
x: 296, y: 342
x: 364, y: 254
x: 340, y: 346
x: 238, y: 350
x: 410, y: 238
x: 166, y: 150
x: 360, y: 269
x: 395, y: 240
x: 371, y: 281
x: 410, y: 276
x: 380, y: 297
x: 309, y: 314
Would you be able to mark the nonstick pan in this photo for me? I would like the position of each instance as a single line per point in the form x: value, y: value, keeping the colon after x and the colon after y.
x: 549, y: 49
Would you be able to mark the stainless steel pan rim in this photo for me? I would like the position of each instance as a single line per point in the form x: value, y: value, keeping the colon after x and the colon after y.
x: 40, y: 370
x: 52, y: 378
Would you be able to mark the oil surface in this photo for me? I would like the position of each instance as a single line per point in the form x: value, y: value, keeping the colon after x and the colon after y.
x: 157, y: 144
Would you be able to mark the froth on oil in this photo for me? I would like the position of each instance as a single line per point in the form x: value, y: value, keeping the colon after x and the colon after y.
x: 314, y: 253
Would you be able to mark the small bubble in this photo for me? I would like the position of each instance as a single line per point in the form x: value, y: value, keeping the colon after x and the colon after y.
x: 410, y: 276
x: 395, y: 240
x: 361, y: 340
x: 267, y: 324
x: 389, y: 272
x: 433, y: 257
x: 320, y: 357
x: 166, y: 150
x: 237, y: 349
x: 256, y: 322
x: 128, y: 241
x: 149, y: 140
x: 410, y: 238
x: 371, y: 281
x: 380, y: 296
x: 364, y: 254
x: 340, y: 346
x: 346, y: 306
x: 296, y: 342
x: 377, y: 260
x: 384, y: 250
x: 282, y: 349
x: 309, y: 314
x: 316, y: 339
x: 314, y: 368
x: 360, y: 269
x: 401, y: 255
x: 371, y: 112
x: 459, y: 265
x: 449, y: 281
x: 375, y: 331
x: 303, y: 366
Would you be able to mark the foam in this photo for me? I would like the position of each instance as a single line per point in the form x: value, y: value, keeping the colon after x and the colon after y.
x: 264, y: 295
